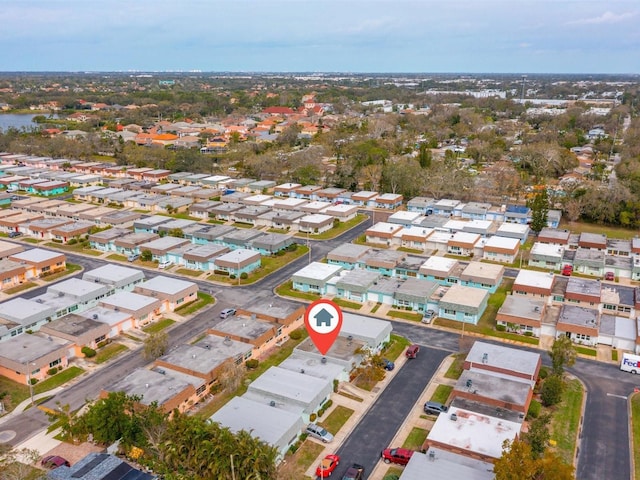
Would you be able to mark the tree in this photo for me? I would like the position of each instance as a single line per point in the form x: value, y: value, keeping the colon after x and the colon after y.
x: 551, y: 393
x: 146, y: 255
x: 17, y: 464
x: 538, y: 435
x: 231, y: 375
x: 424, y: 155
x: 155, y: 345
x: 176, y: 232
x: 563, y: 354
x: 516, y: 462
x: 539, y: 210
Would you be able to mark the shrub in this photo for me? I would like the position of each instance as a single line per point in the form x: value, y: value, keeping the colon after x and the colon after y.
x: 551, y: 390
x: 321, y: 412
x: 327, y: 404
x: 501, y: 328
x: 295, y: 335
x: 88, y: 352
x: 104, y: 342
x: 252, y: 363
x: 73, y: 241
x: 244, y: 275
x: 232, y: 277
x: 335, y: 385
x: 534, y: 409
x: 221, y: 272
x: 528, y: 334
x: 312, y: 417
x: 544, y: 373
x: 52, y: 371
x: 33, y: 381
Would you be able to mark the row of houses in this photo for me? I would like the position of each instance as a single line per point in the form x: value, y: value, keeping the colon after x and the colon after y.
x: 588, y: 311
x: 19, y: 265
x: 279, y: 403
x: 443, y: 285
x: 587, y: 253
x: 488, y: 405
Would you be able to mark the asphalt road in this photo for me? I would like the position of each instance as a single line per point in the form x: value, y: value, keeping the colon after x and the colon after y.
x: 385, y: 417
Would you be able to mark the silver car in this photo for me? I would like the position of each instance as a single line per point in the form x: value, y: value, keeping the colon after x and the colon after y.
x: 316, y: 431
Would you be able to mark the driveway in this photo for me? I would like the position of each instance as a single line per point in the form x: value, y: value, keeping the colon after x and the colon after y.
x: 379, y: 426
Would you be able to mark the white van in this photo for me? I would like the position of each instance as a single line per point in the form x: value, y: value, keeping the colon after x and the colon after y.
x: 630, y: 363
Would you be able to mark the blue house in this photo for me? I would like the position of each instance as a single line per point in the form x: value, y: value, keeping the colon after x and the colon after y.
x: 463, y: 304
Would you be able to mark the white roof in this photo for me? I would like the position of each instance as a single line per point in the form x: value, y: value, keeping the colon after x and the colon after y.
x: 316, y: 218
x: 455, y: 225
x: 239, y: 255
x: 36, y: 255
x: 513, y: 228
x: 546, y: 249
x: 466, y: 237
x: 168, y: 285
x: 439, y: 263
x: 129, y: 300
x: 290, y: 202
x: 257, y: 198
x: 507, y: 358
x: 474, y: 432
x: 286, y: 384
x: 384, y: 227
x: 532, y: 278
x: 465, y: 296
x: 111, y: 273
x: 105, y: 315
x: 263, y: 421
x: 446, y: 202
x: 440, y: 464
x: 502, y: 242
x: 405, y: 216
x: 318, y: 271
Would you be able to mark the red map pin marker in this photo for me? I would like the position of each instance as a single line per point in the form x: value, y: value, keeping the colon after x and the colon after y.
x: 323, y: 320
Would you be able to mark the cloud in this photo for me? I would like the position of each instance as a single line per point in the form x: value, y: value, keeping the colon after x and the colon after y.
x: 605, y: 18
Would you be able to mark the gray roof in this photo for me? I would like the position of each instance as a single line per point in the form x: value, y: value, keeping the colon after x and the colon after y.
x: 357, y: 280
x: 348, y: 251
x: 243, y: 326
x: 504, y: 357
x: 24, y: 311
x: 522, y: 307
x: 114, y: 275
x: 154, y: 386
x: 578, y: 316
x: 509, y: 390
x: 207, y: 354
x: 293, y: 386
x: 168, y: 285
x: 415, y: 290
x: 583, y: 286
x: 444, y: 465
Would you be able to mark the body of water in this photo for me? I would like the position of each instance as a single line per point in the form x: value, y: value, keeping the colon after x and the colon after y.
x: 17, y: 120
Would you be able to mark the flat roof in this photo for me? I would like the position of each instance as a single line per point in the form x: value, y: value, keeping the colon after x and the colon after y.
x: 578, y: 316
x: 313, y: 366
x: 464, y: 296
x: 513, y: 228
x: 509, y: 390
x: 584, y: 286
x: 532, y: 278
x: 261, y: 420
x: 438, y: 464
x: 154, y: 386
x: 441, y: 264
x: 23, y: 310
x: 207, y: 354
x: 168, y: 285
x: 243, y: 326
x: 502, y: 242
x: 384, y: 227
x: 318, y: 271
x: 129, y: 300
x: 28, y: 348
x: 239, y: 255
x: 36, y: 255
x: 113, y: 274
x: 474, y: 432
x: 295, y: 386
x: 105, y: 315
x: 164, y: 243
x: 523, y: 307
x: 504, y: 357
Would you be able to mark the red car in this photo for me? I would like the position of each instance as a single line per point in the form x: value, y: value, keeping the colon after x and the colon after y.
x: 54, y: 461
x: 412, y: 351
x: 400, y: 456
x: 327, y: 466
x: 610, y: 276
x: 567, y: 270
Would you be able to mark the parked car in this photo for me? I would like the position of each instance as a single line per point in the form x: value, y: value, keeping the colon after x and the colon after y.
x: 401, y: 456
x: 354, y: 472
x: 318, y: 432
x: 327, y: 465
x: 412, y: 351
x: 428, y: 316
x: 54, y: 461
x: 15, y: 234
x: 435, y: 408
x: 133, y: 257
x: 227, y: 312
x: 567, y: 270
x: 164, y: 264
x: 610, y: 276
x: 388, y: 365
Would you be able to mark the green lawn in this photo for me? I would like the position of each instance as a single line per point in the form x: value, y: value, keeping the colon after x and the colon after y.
x: 410, y: 250
x: 107, y: 352
x: 406, y: 315
x: 376, y: 307
x: 566, y: 421
x: 71, y: 268
x: 58, y: 379
x: 74, y: 248
x: 415, y: 439
x: 635, y: 430
x: 395, y: 347
x: 347, y: 304
x: 203, y: 300
x: 20, y: 288
x: 336, y: 419
x: 117, y: 257
x: 393, y: 471
x: 456, y: 368
x: 441, y: 395
x: 158, y: 326
x: 286, y: 290
x: 609, y: 231
x: 31, y: 240
x: 586, y: 351
x: 188, y: 272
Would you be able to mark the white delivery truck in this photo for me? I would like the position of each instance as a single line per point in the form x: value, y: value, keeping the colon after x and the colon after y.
x: 630, y: 363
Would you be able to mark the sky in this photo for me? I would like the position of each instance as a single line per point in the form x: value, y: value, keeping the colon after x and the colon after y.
x: 358, y: 36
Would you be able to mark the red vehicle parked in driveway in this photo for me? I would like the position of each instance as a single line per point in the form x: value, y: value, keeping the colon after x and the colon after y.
x: 567, y: 270
x: 401, y: 456
x: 412, y: 351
